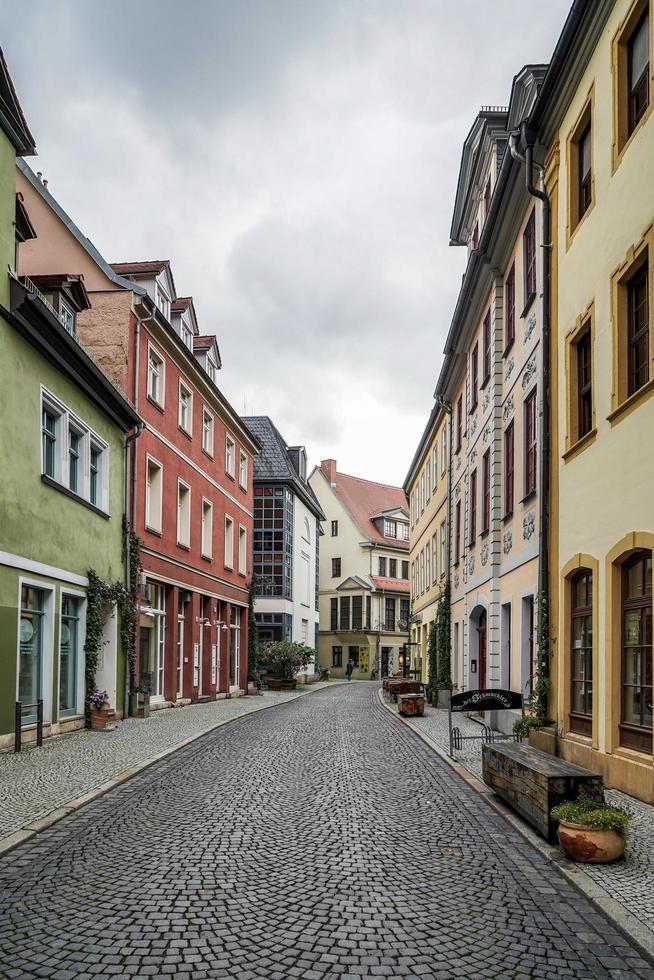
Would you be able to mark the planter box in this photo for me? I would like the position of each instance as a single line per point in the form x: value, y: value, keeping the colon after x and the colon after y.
x: 99, y: 718
x: 281, y: 684
x: 411, y: 705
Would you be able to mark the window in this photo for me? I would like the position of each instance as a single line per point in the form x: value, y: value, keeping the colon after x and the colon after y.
x: 584, y: 174
x: 508, y: 469
x: 333, y: 614
x: 428, y: 479
x: 95, y: 462
x: 434, y: 557
x: 422, y: 492
x: 242, y: 550
x: 390, y: 529
x: 183, y: 514
x: 389, y: 614
x: 475, y: 237
x: 509, y: 314
x: 457, y: 533
x: 405, y: 570
x: 368, y: 607
x: 230, y: 458
x: 443, y: 549
x: 422, y: 571
x: 207, y: 432
x: 229, y: 542
x: 427, y: 568
x: 581, y: 654
x: 529, y: 258
x: 487, y: 347
x: 530, y: 444
x: 443, y: 452
x: 337, y: 656
x: 357, y: 612
x: 212, y: 367
x: 474, y: 377
x: 434, y: 466
x: 153, y: 494
x: 636, y: 725
x: 207, y: 528
x: 403, y: 530
x: 353, y: 655
x: 345, y: 612
x: 162, y: 300
x: 585, y: 384
x: 242, y: 470
x: 404, y: 613
x: 485, y: 506
x: 473, y: 507
x: 487, y: 198
x: 67, y: 317
x: 187, y: 335
x: 185, y: 417
x: 638, y: 68
x: 336, y: 567
x: 33, y: 604
x: 49, y: 439
x: 69, y: 640
x: 73, y: 460
x: 392, y: 567
x: 638, y: 340
x: 334, y: 529
x: 156, y: 376
x: 382, y: 567
x: 459, y: 423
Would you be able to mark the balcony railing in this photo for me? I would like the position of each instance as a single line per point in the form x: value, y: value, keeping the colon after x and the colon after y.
x: 27, y: 282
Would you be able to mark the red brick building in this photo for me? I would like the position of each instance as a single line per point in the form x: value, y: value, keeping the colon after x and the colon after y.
x: 190, y: 496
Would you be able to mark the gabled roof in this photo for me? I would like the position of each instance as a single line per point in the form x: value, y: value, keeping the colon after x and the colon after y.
x: 72, y: 286
x: 364, y: 499
x: 524, y: 91
x: 152, y: 267
x: 488, y: 127
x: 274, y: 465
x: 12, y: 118
x: 354, y: 582
x: 390, y: 584
x: 68, y: 222
x: 204, y: 343
x: 182, y: 303
x: 25, y: 230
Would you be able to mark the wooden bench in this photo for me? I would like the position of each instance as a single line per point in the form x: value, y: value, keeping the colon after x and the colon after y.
x: 532, y: 782
x: 411, y: 705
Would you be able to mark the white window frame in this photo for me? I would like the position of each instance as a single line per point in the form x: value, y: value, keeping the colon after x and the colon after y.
x: 154, y: 352
x: 206, y: 536
x: 443, y: 543
x: 229, y: 537
x: 242, y: 550
x: 242, y: 470
x: 183, y: 544
x: 65, y: 421
x: 428, y: 479
x: 186, y: 333
x: 434, y: 464
x: 81, y: 657
x: 158, y: 527
x: 162, y: 294
x: 188, y: 391
x: 67, y: 316
x: 434, y: 558
x: 206, y: 414
x: 230, y: 470
x: 212, y: 367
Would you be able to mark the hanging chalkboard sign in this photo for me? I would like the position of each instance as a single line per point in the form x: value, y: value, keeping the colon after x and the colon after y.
x: 489, y: 699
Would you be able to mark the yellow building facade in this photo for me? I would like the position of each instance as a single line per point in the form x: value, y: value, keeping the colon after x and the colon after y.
x: 426, y: 488
x: 597, y: 127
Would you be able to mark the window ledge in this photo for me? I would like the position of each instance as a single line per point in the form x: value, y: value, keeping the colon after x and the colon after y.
x: 528, y: 497
x: 473, y: 407
x: 185, y: 547
x: 580, y: 444
x: 627, y: 406
x: 507, y: 517
x: 154, y: 530
x: 204, y: 557
x: 508, y: 347
x: 207, y: 454
x: 528, y: 305
x: 230, y: 476
x: 74, y: 496
x: 156, y: 404
x: 484, y: 533
x: 484, y: 383
x: 230, y: 568
x: 185, y: 432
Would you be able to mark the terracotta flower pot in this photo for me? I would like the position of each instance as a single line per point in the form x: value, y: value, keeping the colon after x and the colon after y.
x: 590, y: 846
x: 99, y: 718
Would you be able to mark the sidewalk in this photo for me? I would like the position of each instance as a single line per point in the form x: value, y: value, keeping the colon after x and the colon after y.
x: 40, y: 786
x: 626, y: 885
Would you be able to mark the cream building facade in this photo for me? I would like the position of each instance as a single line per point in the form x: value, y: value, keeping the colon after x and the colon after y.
x: 595, y: 129
x: 364, y: 573
x: 426, y: 488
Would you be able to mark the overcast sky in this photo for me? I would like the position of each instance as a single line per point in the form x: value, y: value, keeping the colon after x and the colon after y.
x: 296, y: 160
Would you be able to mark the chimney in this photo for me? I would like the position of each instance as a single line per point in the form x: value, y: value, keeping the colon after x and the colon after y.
x: 328, y: 466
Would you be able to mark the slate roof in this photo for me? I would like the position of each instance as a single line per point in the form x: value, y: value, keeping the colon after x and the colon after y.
x: 364, y: 500
x: 273, y: 464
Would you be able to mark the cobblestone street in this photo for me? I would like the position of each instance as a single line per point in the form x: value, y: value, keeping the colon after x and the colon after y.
x: 321, y: 839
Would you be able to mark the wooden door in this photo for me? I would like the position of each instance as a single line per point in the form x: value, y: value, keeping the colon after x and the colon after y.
x: 481, y: 632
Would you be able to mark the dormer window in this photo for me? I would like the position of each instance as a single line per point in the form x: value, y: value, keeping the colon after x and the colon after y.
x: 187, y: 335
x: 212, y: 367
x: 67, y: 317
x: 390, y: 529
x: 162, y: 299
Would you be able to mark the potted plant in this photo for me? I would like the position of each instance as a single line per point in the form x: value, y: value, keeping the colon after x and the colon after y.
x: 99, y: 702
x: 285, y: 659
x: 139, y: 701
x: 591, y: 832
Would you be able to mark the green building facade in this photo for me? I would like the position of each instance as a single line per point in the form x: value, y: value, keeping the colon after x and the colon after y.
x: 63, y: 427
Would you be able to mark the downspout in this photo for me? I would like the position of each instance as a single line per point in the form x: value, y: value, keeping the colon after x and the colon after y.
x: 127, y: 528
x: 546, y: 245
x: 447, y: 407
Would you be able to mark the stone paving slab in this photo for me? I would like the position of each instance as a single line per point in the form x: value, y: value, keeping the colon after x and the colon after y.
x: 630, y: 882
x: 321, y: 840
x: 37, y: 783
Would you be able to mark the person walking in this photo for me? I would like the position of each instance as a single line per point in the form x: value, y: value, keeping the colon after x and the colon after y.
x: 349, y: 669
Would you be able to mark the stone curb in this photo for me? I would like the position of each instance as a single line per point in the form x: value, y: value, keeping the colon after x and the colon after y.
x: 630, y: 927
x: 36, y: 827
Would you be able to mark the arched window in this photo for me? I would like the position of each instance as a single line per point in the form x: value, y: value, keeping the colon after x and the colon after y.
x: 581, y: 654
x: 636, y: 725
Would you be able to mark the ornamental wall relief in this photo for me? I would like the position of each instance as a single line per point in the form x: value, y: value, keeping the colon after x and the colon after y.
x: 471, y: 565
x: 529, y: 372
x: 508, y: 542
x: 528, y: 525
x: 486, y: 434
x: 486, y: 400
x: 484, y: 554
x: 509, y: 367
x: 509, y: 407
x: 530, y: 326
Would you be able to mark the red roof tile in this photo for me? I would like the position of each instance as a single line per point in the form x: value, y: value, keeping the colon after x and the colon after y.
x: 139, y: 268
x: 204, y: 342
x: 182, y: 303
x: 390, y: 584
x: 364, y: 499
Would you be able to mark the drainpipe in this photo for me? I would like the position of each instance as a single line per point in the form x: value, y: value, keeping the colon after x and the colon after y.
x: 447, y: 407
x: 128, y: 525
x: 546, y: 245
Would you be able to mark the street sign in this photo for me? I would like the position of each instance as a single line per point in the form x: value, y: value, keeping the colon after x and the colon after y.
x: 489, y: 699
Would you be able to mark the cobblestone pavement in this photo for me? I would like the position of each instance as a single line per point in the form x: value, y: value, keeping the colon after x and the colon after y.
x: 38, y: 781
x: 320, y: 840
x: 629, y: 882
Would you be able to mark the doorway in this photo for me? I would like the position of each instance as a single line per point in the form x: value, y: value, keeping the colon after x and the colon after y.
x: 481, y: 648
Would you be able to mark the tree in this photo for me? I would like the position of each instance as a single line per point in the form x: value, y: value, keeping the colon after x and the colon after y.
x: 286, y: 659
